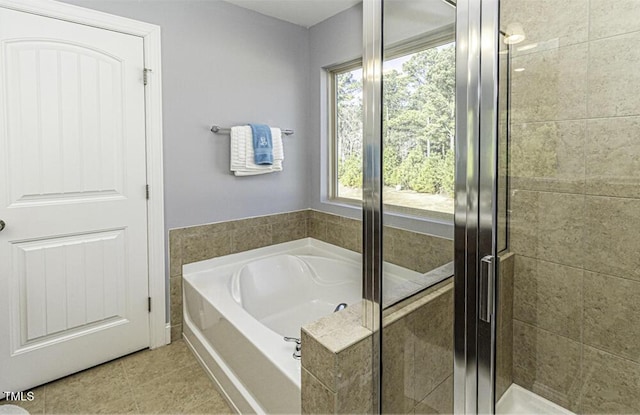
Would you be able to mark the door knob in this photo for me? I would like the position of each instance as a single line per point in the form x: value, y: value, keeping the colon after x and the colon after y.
x: 2, y: 225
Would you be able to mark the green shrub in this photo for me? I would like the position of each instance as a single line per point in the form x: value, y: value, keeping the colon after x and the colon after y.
x: 350, y: 172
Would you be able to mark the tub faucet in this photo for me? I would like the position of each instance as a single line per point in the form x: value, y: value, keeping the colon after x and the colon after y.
x: 339, y: 307
x: 298, y: 353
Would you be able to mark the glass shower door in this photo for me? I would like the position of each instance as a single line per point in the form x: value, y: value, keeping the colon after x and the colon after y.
x: 549, y: 324
x: 570, y: 280
x: 408, y: 146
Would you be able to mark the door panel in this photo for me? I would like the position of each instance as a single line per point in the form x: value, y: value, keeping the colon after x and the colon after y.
x: 55, y: 276
x: 72, y: 192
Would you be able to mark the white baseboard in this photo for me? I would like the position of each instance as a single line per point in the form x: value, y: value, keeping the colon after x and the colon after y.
x: 167, y: 333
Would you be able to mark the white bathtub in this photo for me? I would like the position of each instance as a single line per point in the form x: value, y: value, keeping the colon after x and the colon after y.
x: 238, y: 308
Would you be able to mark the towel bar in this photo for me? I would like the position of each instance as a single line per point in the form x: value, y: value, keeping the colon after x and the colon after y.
x: 219, y: 130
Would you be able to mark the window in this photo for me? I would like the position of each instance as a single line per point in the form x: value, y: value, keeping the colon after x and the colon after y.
x: 418, y: 131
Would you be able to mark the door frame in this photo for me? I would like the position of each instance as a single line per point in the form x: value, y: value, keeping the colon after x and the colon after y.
x: 476, y: 207
x: 159, y: 332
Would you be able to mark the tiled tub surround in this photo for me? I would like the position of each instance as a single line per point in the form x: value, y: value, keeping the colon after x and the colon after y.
x: 575, y: 203
x: 417, y: 354
x: 415, y: 251
x: 230, y: 316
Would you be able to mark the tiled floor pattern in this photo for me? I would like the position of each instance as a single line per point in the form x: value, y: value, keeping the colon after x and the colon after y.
x: 167, y: 380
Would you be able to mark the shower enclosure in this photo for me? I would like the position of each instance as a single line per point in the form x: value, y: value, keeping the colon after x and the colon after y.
x: 547, y: 205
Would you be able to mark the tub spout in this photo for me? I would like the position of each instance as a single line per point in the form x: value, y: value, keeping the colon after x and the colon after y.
x: 298, y: 353
x: 339, y: 307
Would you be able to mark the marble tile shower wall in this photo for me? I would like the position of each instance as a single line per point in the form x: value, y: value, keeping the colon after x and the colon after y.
x: 412, y: 250
x: 575, y: 202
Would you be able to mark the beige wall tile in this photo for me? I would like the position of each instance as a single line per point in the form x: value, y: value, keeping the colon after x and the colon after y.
x: 343, y: 234
x: 353, y: 379
x: 610, y: 18
x: 553, y: 85
x: 317, y: 228
x: 611, y: 239
x: 548, y: 156
x: 318, y: 360
x: 397, y: 366
x: 176, y: 332
x: 548, y: 296
x: 560, y: 228
x: 214, y: 227
x: 546, y: 364
x: 198, y: 245
x: 316, y: 397
x: 405, y: 251
x: 610, y: 384
x: 613, y: 157
x: 504, y: 334
x: 433, y: 330
x: 175, y: 292
x: 388, y: 251
x: 523, y: 220
x: 547, y: 21
x: 175, y: 252
x: 611, y: 311
x: 252, y: 222
x: 245, y: 239
x: 299, y: 214
x: 440, y: 401
x: 613, y: 75
x: 440, y: 252
x: 289, y: 230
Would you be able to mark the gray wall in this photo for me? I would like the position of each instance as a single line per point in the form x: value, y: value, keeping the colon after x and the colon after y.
x: 334, y: 41
x: 226, y: 65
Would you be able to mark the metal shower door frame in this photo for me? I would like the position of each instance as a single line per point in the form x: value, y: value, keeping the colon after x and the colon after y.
x: 475, y: 217
x: 372, y: 214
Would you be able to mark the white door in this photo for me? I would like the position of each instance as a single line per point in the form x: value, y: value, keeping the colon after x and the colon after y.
x: 73, y: 255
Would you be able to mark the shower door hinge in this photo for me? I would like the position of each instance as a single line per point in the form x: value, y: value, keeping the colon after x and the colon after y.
x: 145, y: 75
x: 147, y: 191
x: 149, y: 303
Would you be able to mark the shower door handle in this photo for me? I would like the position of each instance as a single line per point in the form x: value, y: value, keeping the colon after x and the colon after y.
x: 487, y: 287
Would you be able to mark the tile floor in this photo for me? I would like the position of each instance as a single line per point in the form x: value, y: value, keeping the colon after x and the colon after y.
x: 167, y: 380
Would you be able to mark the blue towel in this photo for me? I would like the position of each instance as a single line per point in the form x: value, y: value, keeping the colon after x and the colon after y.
x: 262, y: 144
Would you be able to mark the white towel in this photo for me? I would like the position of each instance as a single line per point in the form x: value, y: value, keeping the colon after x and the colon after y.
x: 242, y: 154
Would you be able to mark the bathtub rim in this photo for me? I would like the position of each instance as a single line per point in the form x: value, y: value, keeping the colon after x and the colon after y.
x: 421, y: 281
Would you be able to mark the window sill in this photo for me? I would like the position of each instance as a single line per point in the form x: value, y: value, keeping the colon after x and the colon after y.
x: 440, y: 224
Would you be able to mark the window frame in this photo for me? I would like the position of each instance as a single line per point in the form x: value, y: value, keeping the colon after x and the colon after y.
x: 332, y: 104
x: 403, y: 48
